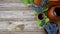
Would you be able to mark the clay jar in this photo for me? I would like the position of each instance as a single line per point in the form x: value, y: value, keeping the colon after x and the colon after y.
x: 41, y: 16
x: 54, y: 13
x: 37, y: 2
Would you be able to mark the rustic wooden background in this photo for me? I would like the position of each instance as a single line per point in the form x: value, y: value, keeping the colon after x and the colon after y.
x: 15, y: 11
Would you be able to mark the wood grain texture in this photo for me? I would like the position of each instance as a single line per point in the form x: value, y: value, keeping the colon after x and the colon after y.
x: 17, y: 14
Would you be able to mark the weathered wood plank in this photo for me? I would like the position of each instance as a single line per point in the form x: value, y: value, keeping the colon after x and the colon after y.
x: 13, y: 11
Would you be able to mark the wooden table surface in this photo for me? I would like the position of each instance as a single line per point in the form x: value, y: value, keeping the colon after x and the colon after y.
x: 14, y: 10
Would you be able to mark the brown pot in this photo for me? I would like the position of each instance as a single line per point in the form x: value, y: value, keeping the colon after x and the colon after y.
x: 51, y: 14
x: 54, y: 0
x: 37, y: 2
x: 53, y: 3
